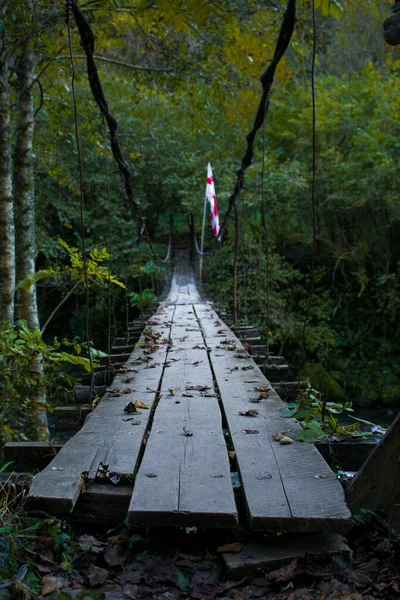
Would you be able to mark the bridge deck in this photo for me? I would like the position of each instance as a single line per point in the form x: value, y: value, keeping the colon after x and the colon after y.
x: 195, y: 377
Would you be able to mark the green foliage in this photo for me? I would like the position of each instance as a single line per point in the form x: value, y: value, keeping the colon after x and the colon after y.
x: 322, y: 380
x: 331, y: 7
x: 319, y: 418
x: 21, y: 349
x: 142, y: 300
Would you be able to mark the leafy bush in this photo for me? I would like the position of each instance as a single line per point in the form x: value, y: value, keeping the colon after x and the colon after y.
x: 22, y: 351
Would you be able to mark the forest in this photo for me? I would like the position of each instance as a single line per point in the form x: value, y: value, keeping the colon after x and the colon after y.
x: 182, y: 80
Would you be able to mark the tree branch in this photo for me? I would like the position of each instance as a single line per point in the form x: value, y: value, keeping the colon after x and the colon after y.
x: 120, y: 63
x: 59, y: 306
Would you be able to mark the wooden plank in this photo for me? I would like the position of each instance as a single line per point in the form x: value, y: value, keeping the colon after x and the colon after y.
x: 283, y: 550
x: 350, y: 455
x: 286, y: 487
x: 377, y: 485
x: 185, y: 479
x: 103, y: 503
x: 30, y: 456
x: 107, y: 436
x: 85, y: 394
x: 68, y: 418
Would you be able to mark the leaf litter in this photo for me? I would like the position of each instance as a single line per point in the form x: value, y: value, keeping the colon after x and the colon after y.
x: 56, y: 558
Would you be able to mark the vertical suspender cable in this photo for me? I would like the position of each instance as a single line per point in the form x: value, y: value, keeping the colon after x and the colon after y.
x: 235, y: 266
x: 78, y: 145
x: 314, y: 217
x: 110, y: 241
x: 265, y: 232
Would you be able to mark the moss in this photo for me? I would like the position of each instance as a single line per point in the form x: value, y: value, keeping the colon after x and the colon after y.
x: 390, y: 395
x: 323, y: 381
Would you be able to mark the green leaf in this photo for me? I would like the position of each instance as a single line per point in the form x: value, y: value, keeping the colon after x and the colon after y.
x: 363, y: 421
x: 312, y: 431
x: 329, y: 7
x: 288, y: 413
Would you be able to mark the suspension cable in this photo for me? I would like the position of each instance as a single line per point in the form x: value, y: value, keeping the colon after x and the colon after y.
x: 87, y: 39
x: 314, y: 169
x: 110, y: 242
x: 265, y: 235
x: 69, y: 6
x: 267, y: 78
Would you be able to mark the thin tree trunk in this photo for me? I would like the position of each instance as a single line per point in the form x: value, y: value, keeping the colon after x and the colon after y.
x: 24, y: 198
x: 235, y: 267
x: 7, y: 252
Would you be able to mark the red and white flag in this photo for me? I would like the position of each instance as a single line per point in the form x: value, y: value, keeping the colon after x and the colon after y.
x: 212, y: 198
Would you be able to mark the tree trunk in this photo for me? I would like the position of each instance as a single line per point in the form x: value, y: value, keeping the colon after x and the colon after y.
x: 24, y: 201
x: 7, y: 256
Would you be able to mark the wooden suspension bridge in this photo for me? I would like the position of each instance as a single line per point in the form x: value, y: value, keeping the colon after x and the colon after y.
x: 189, y: 406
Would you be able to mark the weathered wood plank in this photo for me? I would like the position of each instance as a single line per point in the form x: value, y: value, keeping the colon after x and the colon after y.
x: 68, y: 418
x: 85, y: 394
x: 30, y: 456
x: 185, y: 479
x: 286, y: 487
x: 108, y: 437
x: 377, y: 485
x: 283, y: 550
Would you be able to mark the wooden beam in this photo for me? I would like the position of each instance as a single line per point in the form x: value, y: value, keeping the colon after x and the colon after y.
x: 184, y: 478
x: 286, y: 487
x: 377, y: 484
x: 30, y: 456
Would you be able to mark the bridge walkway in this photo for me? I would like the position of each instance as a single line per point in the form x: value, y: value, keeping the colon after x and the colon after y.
x: 184, y: 437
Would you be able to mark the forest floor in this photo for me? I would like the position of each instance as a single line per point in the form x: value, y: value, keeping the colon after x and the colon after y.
x: 47, y: 558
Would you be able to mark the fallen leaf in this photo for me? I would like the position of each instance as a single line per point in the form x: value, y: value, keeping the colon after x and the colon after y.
x: 50, y: 585
x: 232, y: 454
x: 150, y: 475
x: 89, y: 541
x: 131, y: 408
x: 205, y: 591
x: 234, y: 547
x: 251, y: 430
x: 188, y: 395
x: 282, y: 438
x: 199, y: 388
x: 252, y: 412
x: 96, y: 576
x: 263, y: 388
x: 384, y: 546
x: 286, y: 440
x: 187, y: 431
x: 140, y: 404
x: 172, y: 391
x: 359, y: 579
x: 283, y: 574
x: 114, y: 555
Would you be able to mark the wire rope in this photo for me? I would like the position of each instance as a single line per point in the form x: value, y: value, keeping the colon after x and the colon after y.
x: 110, y: 241
x: 266, y: 237
x: 314, y: 170
x: 87, y: 40
x: 69, y: 7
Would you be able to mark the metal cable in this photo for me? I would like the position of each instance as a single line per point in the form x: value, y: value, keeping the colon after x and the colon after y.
x: 314, y: 169
x: 69, y: 7
x: 110, y: 241
x: 87, y: 40
x: 266, y: 79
